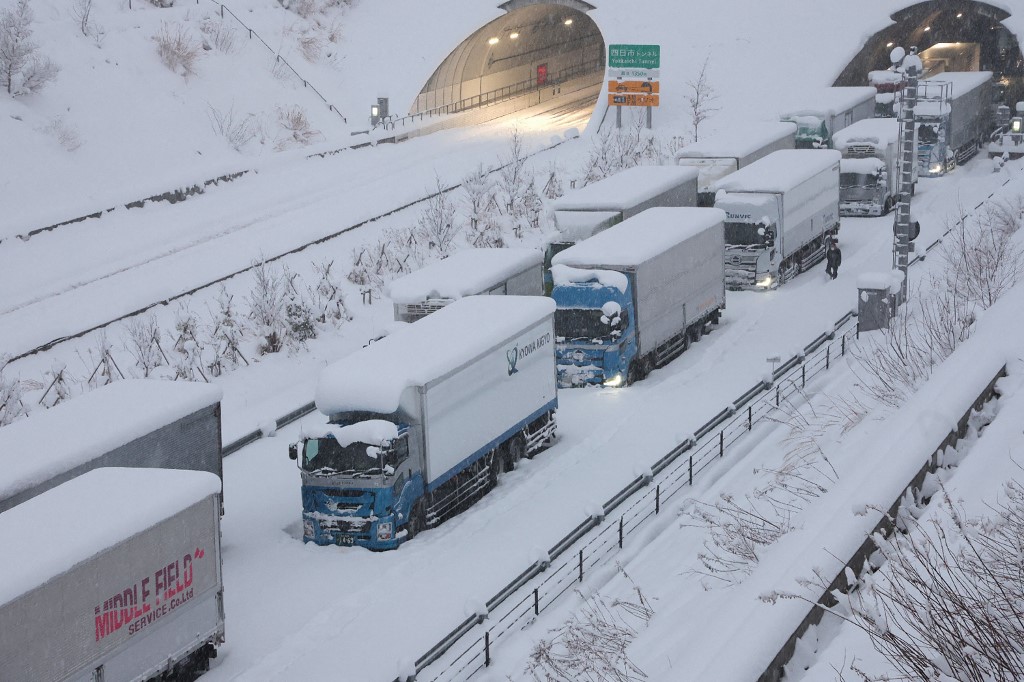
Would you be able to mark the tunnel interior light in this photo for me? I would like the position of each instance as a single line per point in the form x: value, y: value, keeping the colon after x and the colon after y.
x: 960, y: 15
x: 513, y: 35
x: 567, y: 22
x: 493, y: 41
x: 927, y: 28
x: 889, y: 44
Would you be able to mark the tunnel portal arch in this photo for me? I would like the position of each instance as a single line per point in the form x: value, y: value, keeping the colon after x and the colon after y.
x: 532, y: 46
x: 951, y: 35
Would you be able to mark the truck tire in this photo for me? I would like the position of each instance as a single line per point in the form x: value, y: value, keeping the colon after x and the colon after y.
x: 638, y: 370
x: 697, y: 331
x: 417, y: 520
x: 515, y: 450
x: 494, y: 468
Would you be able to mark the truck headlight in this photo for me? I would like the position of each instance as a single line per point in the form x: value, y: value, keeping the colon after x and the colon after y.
x: 614, y: 382
x: 936, y: 168
x: 765, y: 281
x: 384, y: 529
x: 307, y: 528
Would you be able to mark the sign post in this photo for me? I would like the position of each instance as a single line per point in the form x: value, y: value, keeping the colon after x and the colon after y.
x: 635, y: 70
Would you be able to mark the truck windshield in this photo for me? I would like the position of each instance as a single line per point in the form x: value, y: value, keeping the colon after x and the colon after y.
x: 928, y: 133
x: 577, y: 323
x: 326, y: 457
x: 743, y: 234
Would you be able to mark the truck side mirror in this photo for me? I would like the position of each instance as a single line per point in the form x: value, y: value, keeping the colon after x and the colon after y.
x: 293, y: 451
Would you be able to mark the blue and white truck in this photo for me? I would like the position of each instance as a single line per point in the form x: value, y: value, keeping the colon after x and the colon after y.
x: 717, y: 156
x: 781, y: 213
x: 114, y: 575
x: 820, y: 113
x: 583, y: 212
x: 469, y: 272
x: 634, y: 297
x: 422, y: 422
x: 954, y: 118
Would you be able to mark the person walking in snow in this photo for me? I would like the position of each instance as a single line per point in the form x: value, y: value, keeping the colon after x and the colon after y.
x: 833, y: 257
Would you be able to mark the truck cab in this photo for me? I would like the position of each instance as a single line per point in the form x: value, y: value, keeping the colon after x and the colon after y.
x: 595, y: 327
x: 751, y: 231
x: 360, y: 479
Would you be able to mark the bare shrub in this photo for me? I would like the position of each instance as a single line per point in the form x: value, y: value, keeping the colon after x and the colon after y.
x: 162, y: 3
x: 592, y: 644
x: 22, y: 69
x: 143, y: 343
x: 58, y: 383
x: 12, y: 406
x: 178, y: 50
x: 435, y: 227
x: 299, y: 313
x: 615, y: 150
x: 397, y: 252
x: 296, y: 129
x: 64, y: 133
x: 105, y: 369
x: 267, y: 307
x: 225, y: 335
x: 983, y: 255
x: 701, y: 99
x: 218, y: 35
x: 330, y: 300
x: 237, y: 131
x: 312, y: 48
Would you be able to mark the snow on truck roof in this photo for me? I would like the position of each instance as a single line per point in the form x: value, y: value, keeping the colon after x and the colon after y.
x: 877, y: 131
x: 51, y: 442
x: 373, y: 378
x: 780, y: 171
x: 829, y: 101
x: 625, y: 189
x: 738, y: 143
x: 962, y: 81
x: 638, y: 239
x: 466, y: 272
x: 92, y: 513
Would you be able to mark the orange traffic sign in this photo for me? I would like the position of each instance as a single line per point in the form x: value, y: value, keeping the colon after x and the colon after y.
x: 628, y: 100
x: 637, y: 87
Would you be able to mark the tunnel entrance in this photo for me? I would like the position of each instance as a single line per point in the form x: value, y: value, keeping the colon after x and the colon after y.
x: 951, y: 35
x: 537, y: 47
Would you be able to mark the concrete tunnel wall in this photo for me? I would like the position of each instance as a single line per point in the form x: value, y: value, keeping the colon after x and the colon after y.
x: 562, y: 38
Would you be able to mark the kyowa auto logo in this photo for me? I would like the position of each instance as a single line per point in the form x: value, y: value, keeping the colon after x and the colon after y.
x: 521, y: 352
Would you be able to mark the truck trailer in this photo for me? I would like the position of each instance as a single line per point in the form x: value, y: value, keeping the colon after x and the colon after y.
x: 821, y: 113
x: 133, y: 423
x: 635, y: 296
x: 870, y: 168
x: 954, y: 118
x: 422, y: 422
x: 588, y: 210
x: 717, y: 156
x: 468, y: 272
x: 781, y: 213
x: 113, y: 576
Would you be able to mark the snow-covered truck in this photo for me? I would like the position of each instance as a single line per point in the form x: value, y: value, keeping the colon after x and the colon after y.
x: 469, y: 272
x: 870, y: 168
x: 422, y: 422
x: 132, y: 423
x: 781, y: 213
x: 717, y: 156
x: 822, y: 112
x: 113, y: 576
x: 954, y: 118
x: 588, y: 210
x: 635, y: 296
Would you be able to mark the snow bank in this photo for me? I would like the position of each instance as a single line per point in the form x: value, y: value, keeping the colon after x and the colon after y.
x: 466, y: 272
x: 625, y: 189
x: 738, y: 143
x: 780, y: 171
x: 876, y: 131
x: 638, y: 239
x: 962, y: 81
x: 51, y: 442
x: 74, y: 521
x: 374, y: 377
x: 562, y: 275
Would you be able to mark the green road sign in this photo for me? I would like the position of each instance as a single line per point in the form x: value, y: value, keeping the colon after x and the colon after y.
x: 634, y: 56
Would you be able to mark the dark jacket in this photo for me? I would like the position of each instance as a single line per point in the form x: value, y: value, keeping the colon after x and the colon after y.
x: 833, y: 257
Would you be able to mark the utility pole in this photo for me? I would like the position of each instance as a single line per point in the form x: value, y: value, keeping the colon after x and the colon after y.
x: 911, y: 66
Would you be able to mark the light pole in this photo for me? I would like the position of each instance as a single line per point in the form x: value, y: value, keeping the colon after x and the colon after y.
x: 911, y: 65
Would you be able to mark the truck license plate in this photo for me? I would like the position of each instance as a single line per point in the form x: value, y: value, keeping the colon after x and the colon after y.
x: 345, y: 540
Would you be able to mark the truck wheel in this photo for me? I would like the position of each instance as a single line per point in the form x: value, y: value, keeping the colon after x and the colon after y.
x: 888, y: 206
x: 417, y: 521
x: 515, y: 451
x: 494, y: 468
x: 697, y: 331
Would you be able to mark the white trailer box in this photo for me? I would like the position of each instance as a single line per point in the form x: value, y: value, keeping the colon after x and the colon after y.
x: 113, y: 576
x: 954, y: 116
x: 517, y: 272
x: 780, y: 211
x: 134, y: 422
x: 821, y: 113
x: 625, y: 194
x: 717, y: 156
x: 673, y: 259
x: 461, y: 378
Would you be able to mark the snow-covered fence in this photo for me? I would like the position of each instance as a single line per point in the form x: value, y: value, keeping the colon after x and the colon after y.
x: 583, y: 550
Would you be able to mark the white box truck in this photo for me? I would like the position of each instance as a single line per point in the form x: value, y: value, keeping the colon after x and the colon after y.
x: 633, y: 297
x: 421, y: 423
x: 515, y: 271
x: 113, y: 576
x: 583, y: 212
x: 134, y: 422
x: 954, y: 118
x: 822, y: 112
x: 870, y: 168
x: 781, y: 213
x: 717, y: 156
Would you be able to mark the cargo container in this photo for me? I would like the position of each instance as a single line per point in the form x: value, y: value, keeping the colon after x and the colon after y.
x: 821, y: 113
